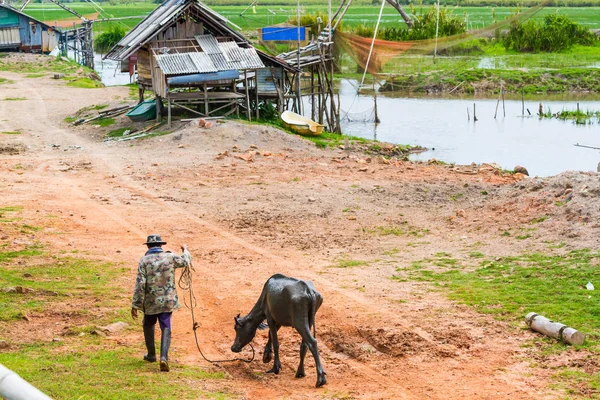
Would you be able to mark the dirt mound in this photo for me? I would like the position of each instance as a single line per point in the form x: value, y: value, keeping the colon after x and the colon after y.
x: 239, y: 138
x: 12, y: 148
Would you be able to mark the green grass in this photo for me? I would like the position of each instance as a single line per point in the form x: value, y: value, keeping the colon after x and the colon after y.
x: 510, y: 287
x: 118, y: 132
x: 407, y: 230
x: 108, y: 372
x: 50, y: 276
x: 14, y: 98
x: 85, y: 83
x: 348, y: 263
x: 11, y: 133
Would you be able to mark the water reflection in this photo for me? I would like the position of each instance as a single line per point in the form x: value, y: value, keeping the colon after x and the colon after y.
x: 110, y: 72
x: 545, y: 147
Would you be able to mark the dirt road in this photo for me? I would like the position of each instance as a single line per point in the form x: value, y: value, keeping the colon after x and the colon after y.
x: 313, y: 214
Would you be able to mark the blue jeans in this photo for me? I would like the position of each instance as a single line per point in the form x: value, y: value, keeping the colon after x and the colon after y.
x: 164, y: 320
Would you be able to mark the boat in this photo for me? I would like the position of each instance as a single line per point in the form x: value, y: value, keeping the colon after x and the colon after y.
x: 144, y: 111
x: 301, y: 124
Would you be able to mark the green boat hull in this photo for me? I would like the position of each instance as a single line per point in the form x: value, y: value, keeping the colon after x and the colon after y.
x: 144, y: 111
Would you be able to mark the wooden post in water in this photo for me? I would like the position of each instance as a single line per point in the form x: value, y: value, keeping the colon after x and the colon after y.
x: 468, y: 115
x: 554, y: 330
x: 375, y: 103
x: 502, y: 94
x: 541, y: 111
x: 474, y: 113
x: 498, y: 103
x: 577, y: 108
x: 522, y: 102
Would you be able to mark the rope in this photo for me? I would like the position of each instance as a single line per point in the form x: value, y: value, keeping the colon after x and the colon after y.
x: 185, y: 283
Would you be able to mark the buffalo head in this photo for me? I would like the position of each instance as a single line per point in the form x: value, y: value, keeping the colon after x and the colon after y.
x: 244, y: 332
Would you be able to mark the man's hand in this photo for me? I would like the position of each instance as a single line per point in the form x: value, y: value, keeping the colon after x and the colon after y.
x: 134, y: 313
x: 184, y: 247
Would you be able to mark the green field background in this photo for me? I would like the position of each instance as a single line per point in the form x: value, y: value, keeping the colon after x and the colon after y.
x: 264, y: 15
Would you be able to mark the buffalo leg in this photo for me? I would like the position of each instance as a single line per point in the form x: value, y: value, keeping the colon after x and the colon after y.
x: 311, y: 342
x: 273, y: 336
x: 267, y: 355
x: 300, y: 373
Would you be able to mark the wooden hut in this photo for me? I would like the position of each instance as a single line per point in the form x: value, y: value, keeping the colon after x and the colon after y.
x: 20, y: 32
x: 191, y: 59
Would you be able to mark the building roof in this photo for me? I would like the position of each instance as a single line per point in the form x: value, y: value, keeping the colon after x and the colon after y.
x: 17, y: 11
x: 214, y: 57
x: 162, y: 18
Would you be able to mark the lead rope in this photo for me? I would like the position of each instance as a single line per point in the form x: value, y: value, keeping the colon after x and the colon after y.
x: 185, y: 283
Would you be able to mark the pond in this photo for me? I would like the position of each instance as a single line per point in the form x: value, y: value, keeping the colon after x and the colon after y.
x: 544, y: 146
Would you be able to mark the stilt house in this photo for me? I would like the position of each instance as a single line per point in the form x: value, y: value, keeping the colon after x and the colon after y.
x: 190, y: 58
x: 20, y: 32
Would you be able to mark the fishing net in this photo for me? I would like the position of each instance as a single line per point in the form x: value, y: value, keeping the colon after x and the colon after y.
x: 362, y: 116
x: 384, y: 51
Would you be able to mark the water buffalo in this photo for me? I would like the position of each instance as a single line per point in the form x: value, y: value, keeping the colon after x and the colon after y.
x: 284, y: 301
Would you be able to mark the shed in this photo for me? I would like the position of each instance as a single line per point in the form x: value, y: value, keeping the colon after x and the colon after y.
x: 21, y: 32
x: 187, y: 53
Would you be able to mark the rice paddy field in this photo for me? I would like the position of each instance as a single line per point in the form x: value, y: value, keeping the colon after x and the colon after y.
x: 264, y: 14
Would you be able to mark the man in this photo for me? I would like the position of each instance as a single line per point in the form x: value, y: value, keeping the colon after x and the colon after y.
x: 155, y: 294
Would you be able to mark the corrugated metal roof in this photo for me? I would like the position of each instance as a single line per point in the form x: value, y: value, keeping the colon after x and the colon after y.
x: 208, y: 44
x: 186, y: 63
x: 159, y: 20
x: 201, y: 62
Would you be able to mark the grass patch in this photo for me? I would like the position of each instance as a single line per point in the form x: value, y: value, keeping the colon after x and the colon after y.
x: 46, y: 277
x: 112, y: 373
x: 348, y: 263
x: 540, y: 219
x: 510, y: 287
x: 409, y: 230
x: 118, y: 132
x: 35, y: 75
x: 11, y: 133
x: 14, y: 98
x: 104, y: 121
x: 85, y: 83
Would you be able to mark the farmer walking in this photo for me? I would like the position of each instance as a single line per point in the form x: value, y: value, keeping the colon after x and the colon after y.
x: 155, y: 294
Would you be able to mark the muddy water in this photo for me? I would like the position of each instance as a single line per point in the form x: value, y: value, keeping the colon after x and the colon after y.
x: 545, y: 147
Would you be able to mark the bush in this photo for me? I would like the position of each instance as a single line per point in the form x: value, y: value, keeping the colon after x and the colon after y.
x: 556, y: 33
x: 105, y: 41
x: 310, y: 21
x: 423, y: 27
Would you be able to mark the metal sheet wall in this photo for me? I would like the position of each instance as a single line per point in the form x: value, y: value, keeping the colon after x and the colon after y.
x: 9, y: 37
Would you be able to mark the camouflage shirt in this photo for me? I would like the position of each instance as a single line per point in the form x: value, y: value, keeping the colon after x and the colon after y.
x: 155, y: 291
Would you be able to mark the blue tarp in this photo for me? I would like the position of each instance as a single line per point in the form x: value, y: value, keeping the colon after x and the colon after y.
x: 205, y: 77
x: 283, y: 33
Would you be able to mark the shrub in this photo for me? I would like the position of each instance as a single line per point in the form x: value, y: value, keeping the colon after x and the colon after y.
x: 105, y: 41
x: 556, y: 33
x: 424, y: 25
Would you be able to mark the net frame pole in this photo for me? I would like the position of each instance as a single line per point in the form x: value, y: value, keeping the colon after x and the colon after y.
x: 372, y: 45
x: 437, y: 26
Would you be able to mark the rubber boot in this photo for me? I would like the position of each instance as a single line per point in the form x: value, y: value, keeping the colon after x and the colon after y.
x: 149, y: 339
x: 165, y: 342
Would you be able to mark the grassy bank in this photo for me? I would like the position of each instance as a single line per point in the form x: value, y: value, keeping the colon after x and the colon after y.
x: 486, y: 64
x: 51, y: 304
x: 551, y: 284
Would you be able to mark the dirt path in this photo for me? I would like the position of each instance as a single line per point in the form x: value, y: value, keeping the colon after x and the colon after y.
x: 300, y: 211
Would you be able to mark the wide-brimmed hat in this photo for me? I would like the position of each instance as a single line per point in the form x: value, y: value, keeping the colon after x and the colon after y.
x: 154, y: 239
